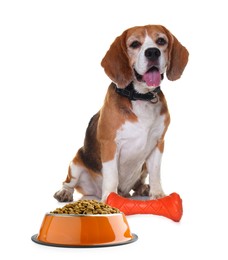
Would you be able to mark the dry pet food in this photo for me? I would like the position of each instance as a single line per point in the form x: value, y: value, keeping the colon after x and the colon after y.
x: 86, y: 207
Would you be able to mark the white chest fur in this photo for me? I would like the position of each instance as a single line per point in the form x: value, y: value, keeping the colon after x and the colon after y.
x: 136, y: 140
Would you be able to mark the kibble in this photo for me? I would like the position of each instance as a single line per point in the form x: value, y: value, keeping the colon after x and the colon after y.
x: 88, y: 207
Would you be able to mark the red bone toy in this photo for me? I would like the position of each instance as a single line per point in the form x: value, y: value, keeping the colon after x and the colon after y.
x: 169, y: 206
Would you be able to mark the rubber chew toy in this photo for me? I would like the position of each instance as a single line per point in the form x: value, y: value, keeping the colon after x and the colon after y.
x: 169, y: 206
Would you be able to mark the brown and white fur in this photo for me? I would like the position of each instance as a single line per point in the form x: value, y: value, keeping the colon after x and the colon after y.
x: 124, y: 141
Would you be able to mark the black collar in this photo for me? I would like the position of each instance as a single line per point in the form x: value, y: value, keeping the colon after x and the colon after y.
x: 132, y: 94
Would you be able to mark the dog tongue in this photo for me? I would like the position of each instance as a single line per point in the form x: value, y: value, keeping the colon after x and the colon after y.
x: 152, y: 78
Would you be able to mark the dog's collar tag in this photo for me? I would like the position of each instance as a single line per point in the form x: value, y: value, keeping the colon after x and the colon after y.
x: 132, y: 94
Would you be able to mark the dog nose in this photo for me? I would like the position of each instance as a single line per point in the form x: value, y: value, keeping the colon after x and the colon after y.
x: 152, y: 53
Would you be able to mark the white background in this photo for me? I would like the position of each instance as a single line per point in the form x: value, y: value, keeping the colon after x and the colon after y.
x: 51, y: 83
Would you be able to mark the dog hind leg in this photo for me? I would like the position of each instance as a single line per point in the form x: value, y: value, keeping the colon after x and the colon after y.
x: 141, y: 188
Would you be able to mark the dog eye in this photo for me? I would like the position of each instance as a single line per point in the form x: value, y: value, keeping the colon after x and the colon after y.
x: 135, y: 44
x: 161, y: 41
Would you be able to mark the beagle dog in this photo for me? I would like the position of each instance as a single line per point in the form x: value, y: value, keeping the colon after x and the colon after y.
x: 124, y: 141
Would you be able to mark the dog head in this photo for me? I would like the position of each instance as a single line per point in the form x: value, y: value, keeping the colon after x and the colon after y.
x: 143, y: 54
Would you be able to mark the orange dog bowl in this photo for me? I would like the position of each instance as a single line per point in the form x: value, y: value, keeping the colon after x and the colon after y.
x: 84, y: 230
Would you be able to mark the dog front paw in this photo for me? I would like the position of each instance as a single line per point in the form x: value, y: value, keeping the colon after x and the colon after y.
x: 157, y: 195
x: 64, y: 195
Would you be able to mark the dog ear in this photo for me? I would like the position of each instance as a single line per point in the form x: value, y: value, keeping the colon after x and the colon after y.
x: 178, y: 59
x: 116, y: 62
